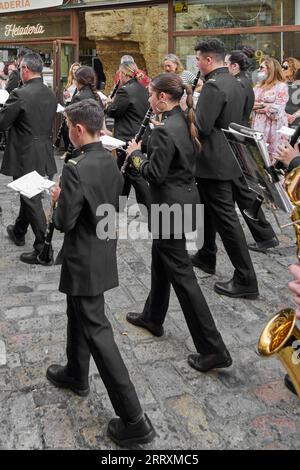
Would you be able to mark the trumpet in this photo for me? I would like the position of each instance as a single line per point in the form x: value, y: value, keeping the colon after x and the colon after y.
x: 281, y: 336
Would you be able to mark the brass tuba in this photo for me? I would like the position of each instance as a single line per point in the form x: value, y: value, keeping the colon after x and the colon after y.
x: 281, y: 335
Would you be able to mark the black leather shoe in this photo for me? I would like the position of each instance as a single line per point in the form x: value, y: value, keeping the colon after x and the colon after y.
x: 19, y: 241
x: 209, y: 361
x: 32, y: 258
x: 138, y: 320
x: 126, y: 434
x: 198, y: 262
x: 58, y: 376
x: 289, y: 384
x: 262, y: 247
x: 232, y: 289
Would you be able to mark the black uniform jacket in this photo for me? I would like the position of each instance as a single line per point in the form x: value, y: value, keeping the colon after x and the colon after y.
x: 221, y: 101
x: 90, y: 179
x: 13, y: 81
x: 28, y: 114
x: 250, y: 97
x: 84, y: 94
x: 170, y: 168
x: 128, y: 109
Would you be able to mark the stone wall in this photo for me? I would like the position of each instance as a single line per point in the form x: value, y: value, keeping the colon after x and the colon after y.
x: 140, y: 32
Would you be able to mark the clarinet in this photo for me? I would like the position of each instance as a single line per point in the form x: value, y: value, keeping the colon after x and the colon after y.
x: 138, y: 136
x: 46, y: 256
x: 115, y: 89
x: 59, y: 133
x: 195, y: 82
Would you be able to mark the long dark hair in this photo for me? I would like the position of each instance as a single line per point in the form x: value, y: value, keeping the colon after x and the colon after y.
x: 171, y: 83
x: 86, y: 77
x: 238, y: 57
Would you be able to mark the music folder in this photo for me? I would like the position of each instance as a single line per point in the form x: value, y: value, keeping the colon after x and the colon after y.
x: 251, y: 153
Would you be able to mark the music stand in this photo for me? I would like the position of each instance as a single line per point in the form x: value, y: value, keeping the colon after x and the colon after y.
x: 250, y: 151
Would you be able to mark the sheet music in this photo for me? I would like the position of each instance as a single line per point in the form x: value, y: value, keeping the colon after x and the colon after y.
x: 110, y: 143
x: 31, y: 184
x: 60, y: 108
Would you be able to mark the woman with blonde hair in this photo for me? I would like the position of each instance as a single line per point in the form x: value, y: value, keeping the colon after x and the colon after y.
x: 290, y: 66
x: 70, y: 86
x: 173, y: 64
x: 271, y: 96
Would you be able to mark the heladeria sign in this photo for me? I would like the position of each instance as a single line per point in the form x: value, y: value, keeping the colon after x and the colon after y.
x: 26, y: 5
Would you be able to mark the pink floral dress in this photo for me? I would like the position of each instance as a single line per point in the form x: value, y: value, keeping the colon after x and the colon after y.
x: 273, y: 116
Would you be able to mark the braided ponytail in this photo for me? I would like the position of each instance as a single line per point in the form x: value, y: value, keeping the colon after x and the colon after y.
x: 86, y: 77
x: 191, y: 117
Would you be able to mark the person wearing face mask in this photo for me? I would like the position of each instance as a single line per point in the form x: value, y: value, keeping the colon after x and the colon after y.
x: 271, y: 96
x: 291, y: 72
x: 169, y: 170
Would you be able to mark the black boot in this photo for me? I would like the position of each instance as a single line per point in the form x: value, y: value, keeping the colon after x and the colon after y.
x: 59, y: 377
x: 137, y: 319
x: 32, y: 257
x: 19, y: 241
x: 233, y: 289
x: 204, y: 363
x: 126, y: 434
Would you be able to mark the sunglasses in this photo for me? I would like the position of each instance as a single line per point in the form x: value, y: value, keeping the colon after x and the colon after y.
x: 284, y: 66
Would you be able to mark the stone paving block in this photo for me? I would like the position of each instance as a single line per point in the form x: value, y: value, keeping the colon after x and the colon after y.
x: 165, y: 381
x: 234, y: 404
x: 268, y: 427
x: 117, y: 298
x: 274, y: 393
x: 138, y: 292
x: 25, y: 428
x: 50, y: 309
x: 158, y: 349
x: 194, y: 417
x: 57, y: 428
x: 18, y: 312
x: 47, y: 287
x: 33, y: 324
x: 51, y: 353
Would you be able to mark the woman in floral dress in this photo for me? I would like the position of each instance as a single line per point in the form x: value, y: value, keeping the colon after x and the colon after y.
x: 271, y: 96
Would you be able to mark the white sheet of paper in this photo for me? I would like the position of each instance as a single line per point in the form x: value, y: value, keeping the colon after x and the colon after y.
x: 31, y: 184
x: 60, y: 108
x: 287, y: 131
x: 110, y: 143
x: 3, y: 96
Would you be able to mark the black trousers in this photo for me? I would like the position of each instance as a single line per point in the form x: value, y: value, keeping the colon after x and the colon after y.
x: 138, y: 182
x: 31, y: 213
x: 172, y: 265
x: 90, y: 333
x: 220, y: 216
x: 261, y: 230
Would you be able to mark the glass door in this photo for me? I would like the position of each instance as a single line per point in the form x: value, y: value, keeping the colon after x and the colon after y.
x: 65, y: 54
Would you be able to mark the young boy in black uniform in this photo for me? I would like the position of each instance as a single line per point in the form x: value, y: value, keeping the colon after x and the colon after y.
x: 89, y: 180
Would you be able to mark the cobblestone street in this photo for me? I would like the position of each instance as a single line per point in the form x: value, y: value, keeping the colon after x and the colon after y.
x: 243, y: 407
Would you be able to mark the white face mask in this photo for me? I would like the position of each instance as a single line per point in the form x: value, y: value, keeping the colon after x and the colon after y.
x: 261, y: 76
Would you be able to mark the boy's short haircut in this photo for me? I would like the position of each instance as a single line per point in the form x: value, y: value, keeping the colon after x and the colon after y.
x: 88, y: 113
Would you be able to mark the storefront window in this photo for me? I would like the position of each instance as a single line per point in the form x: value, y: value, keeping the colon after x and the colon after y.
x: 211, y: 14
x: 277, y: 45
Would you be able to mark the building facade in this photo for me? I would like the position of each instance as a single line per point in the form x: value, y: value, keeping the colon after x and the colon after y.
x: 99, y: 32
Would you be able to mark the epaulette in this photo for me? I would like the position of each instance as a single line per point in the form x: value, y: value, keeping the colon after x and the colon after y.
x: 211, y: 80
x: 78, y: 159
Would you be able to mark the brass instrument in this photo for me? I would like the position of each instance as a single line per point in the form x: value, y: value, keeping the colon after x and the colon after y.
x: 281, y: 335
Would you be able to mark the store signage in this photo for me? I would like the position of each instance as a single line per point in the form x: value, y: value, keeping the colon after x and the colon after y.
x: 12, y: 30
x: 26, y: 5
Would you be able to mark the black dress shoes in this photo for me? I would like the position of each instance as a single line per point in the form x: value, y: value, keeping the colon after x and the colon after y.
x: 137, y: 319
x: 209, y: 361
x: 199, y: 262
x: 233, y: 289
x: 19, y: 241
x: 262, y: 247
x: 32, y: 258
x: 289, y: 384
x: 126, y: 434
x: 58, y: 376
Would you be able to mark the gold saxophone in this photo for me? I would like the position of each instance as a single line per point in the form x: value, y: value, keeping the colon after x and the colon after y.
x: 281, y: 335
